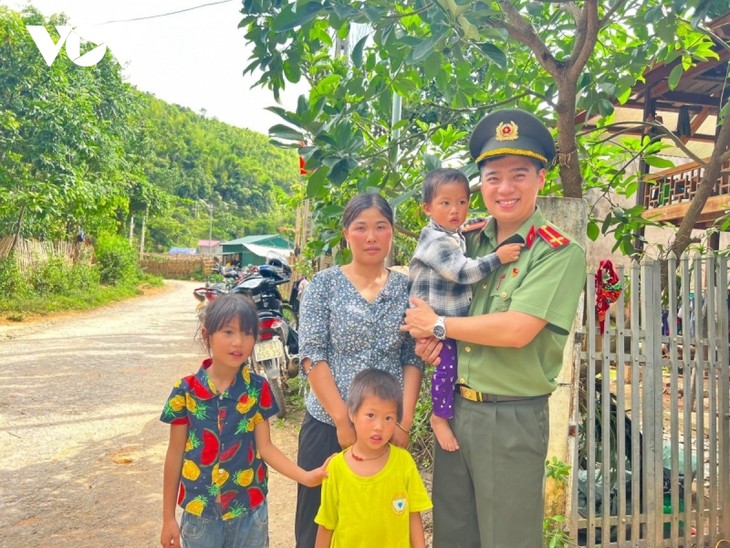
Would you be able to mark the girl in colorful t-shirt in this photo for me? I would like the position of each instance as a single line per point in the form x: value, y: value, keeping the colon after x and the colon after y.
x: 373, y: 495
x: 220, y: 441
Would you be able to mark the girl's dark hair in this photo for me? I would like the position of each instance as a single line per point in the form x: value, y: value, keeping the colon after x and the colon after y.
x: 374, y: 382
x: 226, y: 307
x: 361, y: 202
x: 442, y: 176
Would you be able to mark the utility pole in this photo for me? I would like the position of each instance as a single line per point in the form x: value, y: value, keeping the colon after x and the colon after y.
x: 395, y: 117
x: 144, y: 227
x: 210, y: 227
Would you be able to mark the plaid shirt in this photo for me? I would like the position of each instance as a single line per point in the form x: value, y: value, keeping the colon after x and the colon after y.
x: 440, y: 273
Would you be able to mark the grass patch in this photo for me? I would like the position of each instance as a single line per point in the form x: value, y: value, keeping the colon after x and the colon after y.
x: 19, y: 307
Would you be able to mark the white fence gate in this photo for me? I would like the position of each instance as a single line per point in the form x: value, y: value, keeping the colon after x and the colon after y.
x: 652, y: 448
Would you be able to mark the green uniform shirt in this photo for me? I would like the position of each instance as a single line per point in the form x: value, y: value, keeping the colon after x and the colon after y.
x: 546, y: 282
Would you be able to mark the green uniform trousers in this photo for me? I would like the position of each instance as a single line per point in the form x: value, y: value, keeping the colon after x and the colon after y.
x: 490, y: 493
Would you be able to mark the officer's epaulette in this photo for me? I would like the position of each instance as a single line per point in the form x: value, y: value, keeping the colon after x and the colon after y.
x: 476, y: 223
x: 552, y: 236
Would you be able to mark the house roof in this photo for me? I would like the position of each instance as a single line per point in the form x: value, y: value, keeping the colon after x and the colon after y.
x: 183, y: 251
x: 268, y: 252
x: 273, y: 240
x: 702, y: 90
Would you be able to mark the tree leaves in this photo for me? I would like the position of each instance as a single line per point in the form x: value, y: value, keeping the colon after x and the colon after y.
x: 295, y: 15
x: 423, y: 50
x: 449, y: 62
x: 280, y: 131
x: 79, y: 147
x: 495, y: 54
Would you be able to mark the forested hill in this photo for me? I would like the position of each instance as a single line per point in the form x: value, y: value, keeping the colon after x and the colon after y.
x: 247, y: 181
x: 81, y: 149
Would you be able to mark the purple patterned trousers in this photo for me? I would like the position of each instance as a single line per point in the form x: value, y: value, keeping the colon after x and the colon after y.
x: 443, y: 381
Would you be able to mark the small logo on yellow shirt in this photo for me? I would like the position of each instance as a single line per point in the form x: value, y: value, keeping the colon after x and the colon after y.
x: 400, y: 502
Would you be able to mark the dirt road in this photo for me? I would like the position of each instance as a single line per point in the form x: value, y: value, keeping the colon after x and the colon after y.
x: 81, y: 446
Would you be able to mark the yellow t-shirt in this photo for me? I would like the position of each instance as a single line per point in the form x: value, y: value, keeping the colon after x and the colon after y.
x: 372, y: 511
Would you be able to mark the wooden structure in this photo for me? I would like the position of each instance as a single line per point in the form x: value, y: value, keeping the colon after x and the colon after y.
x: 179, y: 267
x: 667, y: 194
x: 32, y: 254
x: 691, y: 110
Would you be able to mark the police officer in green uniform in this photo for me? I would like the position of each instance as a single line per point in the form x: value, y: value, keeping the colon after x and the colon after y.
x: 490, y: 493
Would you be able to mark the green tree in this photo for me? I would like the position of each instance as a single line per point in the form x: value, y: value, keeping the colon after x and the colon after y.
x: 63, y: 132
x: 189, y: 158
x: 451, y: 61
x: 82, y: 149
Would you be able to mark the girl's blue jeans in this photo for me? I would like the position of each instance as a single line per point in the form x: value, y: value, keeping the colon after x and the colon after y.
x: 250, y: 530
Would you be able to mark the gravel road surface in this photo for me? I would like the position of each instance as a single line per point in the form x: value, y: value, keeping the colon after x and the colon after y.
x: 81, y: 445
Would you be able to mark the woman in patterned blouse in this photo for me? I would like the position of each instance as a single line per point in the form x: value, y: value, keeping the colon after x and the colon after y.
x: 349, y: 321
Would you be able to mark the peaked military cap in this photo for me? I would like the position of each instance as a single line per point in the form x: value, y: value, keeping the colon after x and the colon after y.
x: 511, y: 132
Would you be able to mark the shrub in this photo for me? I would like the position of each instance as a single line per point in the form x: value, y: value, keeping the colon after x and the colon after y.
x: 12, y: 281
x: 117, y: 260
x: 52, y: 276
x: 84, y: 275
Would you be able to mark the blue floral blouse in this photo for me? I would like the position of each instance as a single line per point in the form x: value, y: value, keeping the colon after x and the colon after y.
x: 341, y: 327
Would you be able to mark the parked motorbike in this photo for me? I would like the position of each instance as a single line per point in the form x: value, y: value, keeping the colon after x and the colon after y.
x: 231, y: 275
x: 276, y: 353
x: 204, y: 295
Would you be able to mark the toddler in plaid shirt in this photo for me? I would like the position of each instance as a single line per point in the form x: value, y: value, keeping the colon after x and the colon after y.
x: 440, y: 273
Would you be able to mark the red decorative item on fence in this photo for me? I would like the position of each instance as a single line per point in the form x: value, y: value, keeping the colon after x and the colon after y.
x: 608, y: 289
x: 302, y: 162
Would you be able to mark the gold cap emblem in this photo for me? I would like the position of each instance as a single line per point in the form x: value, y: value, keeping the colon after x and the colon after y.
x: 507, y: 131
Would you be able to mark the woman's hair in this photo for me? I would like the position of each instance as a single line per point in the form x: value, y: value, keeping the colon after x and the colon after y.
x: 226, y: 307
x: 374, y: 382
x: 442, y: 176
x: 361, y: 202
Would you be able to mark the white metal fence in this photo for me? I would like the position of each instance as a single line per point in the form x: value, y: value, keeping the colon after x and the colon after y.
x: 652, y: 448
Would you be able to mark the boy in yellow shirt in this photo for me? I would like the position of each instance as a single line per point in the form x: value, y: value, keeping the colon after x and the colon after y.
x: 373, y: 495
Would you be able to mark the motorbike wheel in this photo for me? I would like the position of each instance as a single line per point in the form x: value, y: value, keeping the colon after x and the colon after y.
x: 277, y: 388
x: 277, y: 385
x: 289, y: 315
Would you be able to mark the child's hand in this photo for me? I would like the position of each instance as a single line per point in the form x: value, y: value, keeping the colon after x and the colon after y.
x: 475, y: 223
x: 509, y: 253
x: 313, y: 478
x: 170, y: 536
x: 429, y: 349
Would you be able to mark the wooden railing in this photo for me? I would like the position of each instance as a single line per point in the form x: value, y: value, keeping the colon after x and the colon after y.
x: 679, y: 185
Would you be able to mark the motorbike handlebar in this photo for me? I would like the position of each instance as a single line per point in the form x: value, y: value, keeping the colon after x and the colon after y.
x: 207, y: 293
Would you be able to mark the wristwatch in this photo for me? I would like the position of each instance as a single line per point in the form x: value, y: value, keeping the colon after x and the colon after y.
x: 439, y: 330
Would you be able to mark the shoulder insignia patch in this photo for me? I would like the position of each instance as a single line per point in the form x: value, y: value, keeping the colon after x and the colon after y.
x: 552, y: 236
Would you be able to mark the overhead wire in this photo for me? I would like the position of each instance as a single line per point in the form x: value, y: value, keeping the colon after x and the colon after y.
x: 166, y: 14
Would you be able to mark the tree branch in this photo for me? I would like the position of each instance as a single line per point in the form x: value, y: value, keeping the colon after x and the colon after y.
x: 403, y: 230
x: 704, y: 189
x: 611, y: 10
x: 586, y: 39
x: 521, y: 30
x: 661, y: 127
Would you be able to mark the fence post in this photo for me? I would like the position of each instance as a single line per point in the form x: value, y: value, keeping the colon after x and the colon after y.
x: 724, y: 398
x: 652, y: 405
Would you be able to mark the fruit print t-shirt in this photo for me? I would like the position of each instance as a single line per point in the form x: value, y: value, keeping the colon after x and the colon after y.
x: 220, y: 453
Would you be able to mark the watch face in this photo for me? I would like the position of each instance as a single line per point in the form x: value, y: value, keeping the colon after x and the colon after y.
x: 439, y: 332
